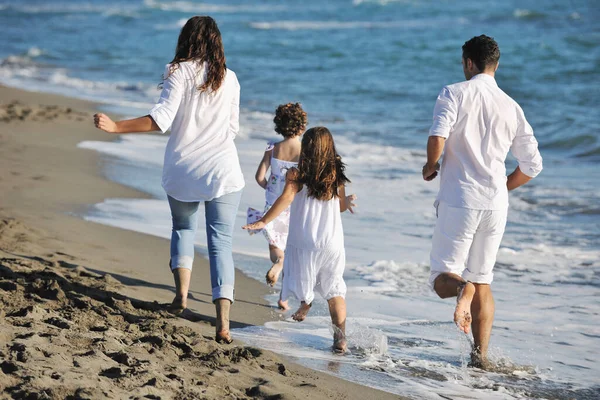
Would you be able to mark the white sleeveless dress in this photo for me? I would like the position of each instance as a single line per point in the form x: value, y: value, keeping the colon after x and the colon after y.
x: 276, y: 231
x: 315, y: 257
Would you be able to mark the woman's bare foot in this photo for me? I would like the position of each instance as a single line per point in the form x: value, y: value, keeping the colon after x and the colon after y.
x: 223, y: 337
x: 283, y: 305
x: 301, y: 312
x: 462, y: 313
x: 274, y: 272
x: 177, y: 305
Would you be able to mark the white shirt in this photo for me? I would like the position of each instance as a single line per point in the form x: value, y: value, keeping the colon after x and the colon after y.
x: 201, y: 161
x: 481, y: 124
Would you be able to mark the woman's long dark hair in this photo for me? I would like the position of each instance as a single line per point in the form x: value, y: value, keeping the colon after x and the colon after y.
x: 320, y: 167
x: 200, y: 41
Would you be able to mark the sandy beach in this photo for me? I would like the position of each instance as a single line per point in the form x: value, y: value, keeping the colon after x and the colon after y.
x: 82, y: 305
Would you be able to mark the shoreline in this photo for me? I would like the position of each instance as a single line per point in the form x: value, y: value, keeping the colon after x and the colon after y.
x: 48, y: 183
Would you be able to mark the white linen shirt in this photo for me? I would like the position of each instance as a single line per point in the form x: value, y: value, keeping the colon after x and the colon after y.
x: 201, y: 161
x: 481, y: 125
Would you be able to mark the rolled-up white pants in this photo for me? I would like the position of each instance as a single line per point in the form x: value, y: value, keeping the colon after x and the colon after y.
x: 466, y: 243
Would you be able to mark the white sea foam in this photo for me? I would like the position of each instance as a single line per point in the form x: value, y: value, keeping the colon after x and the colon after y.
x: 74, y: 8
x: 382, y: 2
x: 148, y: 149
x: 193, y: 7
x: 341, y: 25
x: 384, y: 352
x: 527, y: 14
x: 171, y: 26
x: 393, y: 278
x: 34, y: 52
x: 521, y: 13
x: 24, y: 71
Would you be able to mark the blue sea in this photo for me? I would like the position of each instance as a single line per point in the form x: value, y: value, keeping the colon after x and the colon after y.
x: 371, y: 71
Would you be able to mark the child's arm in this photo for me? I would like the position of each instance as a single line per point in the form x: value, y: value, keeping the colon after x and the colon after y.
x: 263, y: 167
x: 282, y: 202
x: 346, y: 202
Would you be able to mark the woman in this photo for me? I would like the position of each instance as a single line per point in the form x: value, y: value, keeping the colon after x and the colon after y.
x: 200, y: 103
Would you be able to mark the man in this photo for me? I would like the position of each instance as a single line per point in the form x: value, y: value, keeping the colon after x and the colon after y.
x: 476, y: 124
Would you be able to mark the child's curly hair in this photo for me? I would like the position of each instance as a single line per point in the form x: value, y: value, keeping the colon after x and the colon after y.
x: 290, y: 120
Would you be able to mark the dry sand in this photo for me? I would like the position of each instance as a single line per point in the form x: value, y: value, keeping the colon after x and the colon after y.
x: 82, y: 305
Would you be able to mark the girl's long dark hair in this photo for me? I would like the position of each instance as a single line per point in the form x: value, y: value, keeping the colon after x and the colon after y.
x: 320, y: 167
x: 200, y: 41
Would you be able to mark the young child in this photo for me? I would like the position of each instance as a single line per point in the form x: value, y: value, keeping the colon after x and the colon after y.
x: 290, y: 121
x: 315, y: 257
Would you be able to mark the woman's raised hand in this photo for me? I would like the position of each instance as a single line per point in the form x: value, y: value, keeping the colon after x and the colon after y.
x: 254, y: 226
x: 350, y: 202
x: 102, y: 121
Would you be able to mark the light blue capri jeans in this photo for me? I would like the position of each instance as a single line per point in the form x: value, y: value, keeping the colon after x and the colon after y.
x: 220, y: 216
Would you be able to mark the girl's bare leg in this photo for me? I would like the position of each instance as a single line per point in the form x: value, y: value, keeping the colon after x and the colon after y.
x: 282, y: 304
x: 337, y: 310
x: 276, y: 255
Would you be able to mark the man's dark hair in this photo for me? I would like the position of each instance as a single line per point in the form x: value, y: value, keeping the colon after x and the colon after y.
x: 482, y: 50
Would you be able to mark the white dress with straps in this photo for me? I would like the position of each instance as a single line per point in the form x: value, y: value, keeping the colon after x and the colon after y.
x: 276, y: 231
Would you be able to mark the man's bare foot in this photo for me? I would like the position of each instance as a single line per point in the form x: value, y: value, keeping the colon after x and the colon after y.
x: 301, y: 312
x: 462, y: 313
x: 283, y: 305
x: 274, y: 272
x: 177, y: 305
x: 340, y: 346
x: 479, y: 361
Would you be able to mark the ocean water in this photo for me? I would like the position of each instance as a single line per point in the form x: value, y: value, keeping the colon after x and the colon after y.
x: 370, y: 71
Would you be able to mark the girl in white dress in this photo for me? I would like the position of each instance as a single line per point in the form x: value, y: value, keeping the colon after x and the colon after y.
x: 290, y: 121
x: 315, y: 257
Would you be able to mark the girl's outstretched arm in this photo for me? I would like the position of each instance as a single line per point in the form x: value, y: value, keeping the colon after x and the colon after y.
x: 263, y: 167
x: 282, y: 202
x: 141, y: 124
x: 346, y: 202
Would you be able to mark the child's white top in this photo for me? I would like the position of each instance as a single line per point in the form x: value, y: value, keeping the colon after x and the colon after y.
x: 275, y: 231
x: 276, y: 182
x: 201, y: 161
x: 315, y: 224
